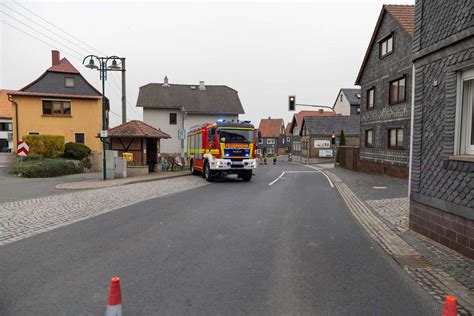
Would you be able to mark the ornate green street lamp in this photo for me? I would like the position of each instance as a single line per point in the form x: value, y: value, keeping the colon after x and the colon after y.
x: 103, y: 66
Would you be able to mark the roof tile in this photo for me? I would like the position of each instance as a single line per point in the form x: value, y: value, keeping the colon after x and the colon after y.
x: 136, y: 128
x: 6, y: 108
x: 215, y: 99
x: 63, y: 66
x: 270, y: 127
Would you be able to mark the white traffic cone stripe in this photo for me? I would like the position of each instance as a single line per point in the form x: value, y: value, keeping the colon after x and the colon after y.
x: 114, y: 310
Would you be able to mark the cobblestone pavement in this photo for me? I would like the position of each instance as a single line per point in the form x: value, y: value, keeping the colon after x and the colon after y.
x: 22, y: 219
x: 437, y: 269
x: 393, y: 210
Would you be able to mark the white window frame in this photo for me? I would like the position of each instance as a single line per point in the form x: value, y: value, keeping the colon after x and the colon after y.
x: 270, y: 151
x: 259, y: 151
x: 288, y: 139
x: 260, y: 141
x: 462, y: 133
x: 296, y: 130
x: 270, y: 141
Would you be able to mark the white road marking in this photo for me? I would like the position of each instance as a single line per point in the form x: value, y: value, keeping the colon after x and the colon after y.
x: 379, y: 188
x: 301, y: 171
x: 321, y: 170
x: 281, y: 175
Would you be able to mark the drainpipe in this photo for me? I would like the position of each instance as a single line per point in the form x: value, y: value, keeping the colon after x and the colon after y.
x: 16, y: 122
x: 412, y: 121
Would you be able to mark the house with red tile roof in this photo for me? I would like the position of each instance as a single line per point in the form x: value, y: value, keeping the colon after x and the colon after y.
x: 271, y: 137
x: 59, y: 102
x: 385, y: 78
x: 6, y: 123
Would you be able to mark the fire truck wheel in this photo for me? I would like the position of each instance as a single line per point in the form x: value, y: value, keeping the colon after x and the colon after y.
x: 208, y: 173
x: 247, y: 176
x: 191, y: 168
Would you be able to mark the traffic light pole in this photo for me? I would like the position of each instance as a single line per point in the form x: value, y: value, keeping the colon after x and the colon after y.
x: 316, y: 106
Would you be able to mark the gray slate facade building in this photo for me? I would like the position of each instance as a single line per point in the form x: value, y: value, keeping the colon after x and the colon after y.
x: 442, y: 182
x: 385, y: 79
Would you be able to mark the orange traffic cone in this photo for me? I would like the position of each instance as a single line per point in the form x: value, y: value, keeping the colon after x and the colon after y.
x: 114, y: 307
x: 450, y: 306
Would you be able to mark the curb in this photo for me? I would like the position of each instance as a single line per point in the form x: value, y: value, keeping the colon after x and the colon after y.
x: 60, y: 186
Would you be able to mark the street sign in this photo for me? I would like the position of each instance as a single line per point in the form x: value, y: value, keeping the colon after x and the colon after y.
x: 104, y: 134
x: 322, y: 144
x: 181, y: 134
x: 23, y: 148
x: 325, y: 153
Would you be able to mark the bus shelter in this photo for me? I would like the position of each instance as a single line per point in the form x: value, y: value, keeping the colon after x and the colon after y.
x: 139, y: 139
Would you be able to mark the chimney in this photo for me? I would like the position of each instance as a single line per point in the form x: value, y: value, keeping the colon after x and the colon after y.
x: 269, y: 117
x: 165, y: 82
x: 321, y: 111
x: 55, y: 57
x: 201, y: 85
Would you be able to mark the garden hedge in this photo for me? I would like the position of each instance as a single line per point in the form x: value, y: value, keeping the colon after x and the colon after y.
x: 48, y: 146
x: 76, y: 151
x: 45, y: 167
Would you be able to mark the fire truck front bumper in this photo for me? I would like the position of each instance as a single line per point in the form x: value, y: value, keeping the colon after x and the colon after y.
x: 229, y: 165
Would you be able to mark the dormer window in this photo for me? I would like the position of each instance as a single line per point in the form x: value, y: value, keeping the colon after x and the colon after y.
x: 386, y: 46
x: 69, y: 82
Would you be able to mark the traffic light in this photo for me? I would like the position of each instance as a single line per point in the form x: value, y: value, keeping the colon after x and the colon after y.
x: 291, y: 103
x: 333, y: 139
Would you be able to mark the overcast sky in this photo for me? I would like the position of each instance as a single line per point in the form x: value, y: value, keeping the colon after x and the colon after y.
x: 264, y: 50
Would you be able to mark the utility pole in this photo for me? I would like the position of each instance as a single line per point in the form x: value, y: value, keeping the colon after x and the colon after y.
x: 124, y: 94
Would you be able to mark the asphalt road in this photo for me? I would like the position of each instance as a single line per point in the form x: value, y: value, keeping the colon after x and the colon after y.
x: 13, y: 188
x: 226, y: 248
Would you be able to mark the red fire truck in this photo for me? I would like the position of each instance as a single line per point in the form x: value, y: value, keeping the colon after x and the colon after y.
x: 221, y: 148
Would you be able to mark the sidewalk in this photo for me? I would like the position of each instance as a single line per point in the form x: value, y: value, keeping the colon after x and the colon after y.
x: 98, y: 184
x: 381, y: 204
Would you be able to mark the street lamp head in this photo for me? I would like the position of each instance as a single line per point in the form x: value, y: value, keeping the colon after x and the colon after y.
x: 114, y: 65
x: 91, y: 64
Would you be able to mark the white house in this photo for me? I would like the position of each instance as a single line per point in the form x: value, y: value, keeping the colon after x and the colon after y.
x: 171, y: 107
x: 347, y: 102
x: 6, y: 123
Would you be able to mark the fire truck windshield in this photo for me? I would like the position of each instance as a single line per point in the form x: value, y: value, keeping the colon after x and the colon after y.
x: 236, y: 135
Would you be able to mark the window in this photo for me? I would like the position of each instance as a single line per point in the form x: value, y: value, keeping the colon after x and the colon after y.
x: 396, y: 92
x: 69, y: 82
x: 57, y: 108
x: 260, y: 141
x: 211, y: 134
x: 79, y: 138
x: 259, y: 151
x: 288, y: 139
x: 358, y: 110
x: 465, y: 114
x: 369, y: 138
x: 173, y: 118
x: 270, y: 151
x: 341, y: 97
x: 370, y: 98
x: 395, y: 138
x: 283, y: 140
x: 296, y: 130
x: 5, y: 127
x: 270, y: 141
x: 33, y: 133
x: 386, y: 46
